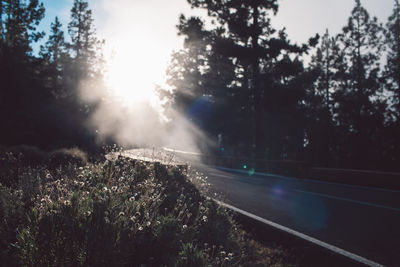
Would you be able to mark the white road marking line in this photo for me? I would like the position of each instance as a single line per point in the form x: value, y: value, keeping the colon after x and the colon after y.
x: 303, y: 236
x: 348, y: 199
x: 306, y: 179
x: 181, y: 151
x: 330, y: 196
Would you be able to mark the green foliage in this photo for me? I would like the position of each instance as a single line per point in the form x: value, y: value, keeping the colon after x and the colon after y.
x: 44, y: 90
x: 28, y: 155
x: 190, y: 256
x: 12, y: 216
x: 55, y: 46
x: 215, y: 225
x: 238, y: 78
x: 122, y: 212
x: 346, y: 105
x: 243, y: 80
x: 66, y: 156
x: 81, y: 29
x: 19, y: 20
x: 249, y: 74
x: 392, y: 68
x: 9, y: 167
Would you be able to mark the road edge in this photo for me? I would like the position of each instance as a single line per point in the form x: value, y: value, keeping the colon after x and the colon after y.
x: 302, y: 236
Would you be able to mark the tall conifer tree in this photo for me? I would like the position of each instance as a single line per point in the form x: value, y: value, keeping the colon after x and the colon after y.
x: 392, y: 70
x: 326, y: 63
x: 83, y: 36
x: 55, y: 46
x: 21, y: 18
x: 241, y: 55
x: 359, y: 112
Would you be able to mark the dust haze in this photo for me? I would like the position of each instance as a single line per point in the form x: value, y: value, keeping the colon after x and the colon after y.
x: 128, y: 110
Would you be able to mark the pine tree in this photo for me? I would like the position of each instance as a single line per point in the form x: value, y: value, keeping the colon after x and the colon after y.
x: 82, y: 32
x: 82, y: 68
x: 392, y: 68
x: 327, y: 61
x: 55, y: 58
x: 55, y: 46
x: 185, y: 70
x: 319, y: 100
x: 84, y: 65
x: 359, y: 112
x: 246, y: 22
x: 390, y: 154
x: 24, y: 98
x: 21, y: 18
x: 239, y: 67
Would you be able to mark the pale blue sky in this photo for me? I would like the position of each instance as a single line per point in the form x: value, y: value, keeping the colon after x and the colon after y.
x: 143, y: 34
x: 302, y: 18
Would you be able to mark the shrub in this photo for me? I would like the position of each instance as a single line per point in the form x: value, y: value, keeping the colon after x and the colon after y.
x: 66, y: 156
x: 14, y: 160
x: 28, y: 155
x: 12, y: 216
x: 8, y: 169
x: 123, y: 212
x: 168, y: 235
x: 190, y: 256
x: 214, y: 225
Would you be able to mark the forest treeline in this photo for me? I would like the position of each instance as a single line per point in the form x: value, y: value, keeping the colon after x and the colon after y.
x: 333, y: 102
x: 247, y: 83
x: 39, y: 98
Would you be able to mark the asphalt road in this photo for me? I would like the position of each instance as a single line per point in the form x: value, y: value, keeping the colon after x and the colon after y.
x: 361, y: 220
x: 364, y: 221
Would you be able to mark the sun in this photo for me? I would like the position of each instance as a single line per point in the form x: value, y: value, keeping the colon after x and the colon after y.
x: 136, y: 65
x: 138, y: 47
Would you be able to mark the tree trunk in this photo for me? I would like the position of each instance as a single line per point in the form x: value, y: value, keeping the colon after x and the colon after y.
x: 257, y: 142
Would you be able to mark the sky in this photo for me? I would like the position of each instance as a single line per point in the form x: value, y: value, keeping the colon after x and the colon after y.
x: 141, y: 34
x: 302, y: 18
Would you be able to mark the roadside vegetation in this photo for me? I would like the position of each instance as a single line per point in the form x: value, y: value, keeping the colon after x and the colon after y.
x: 58, y: 209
